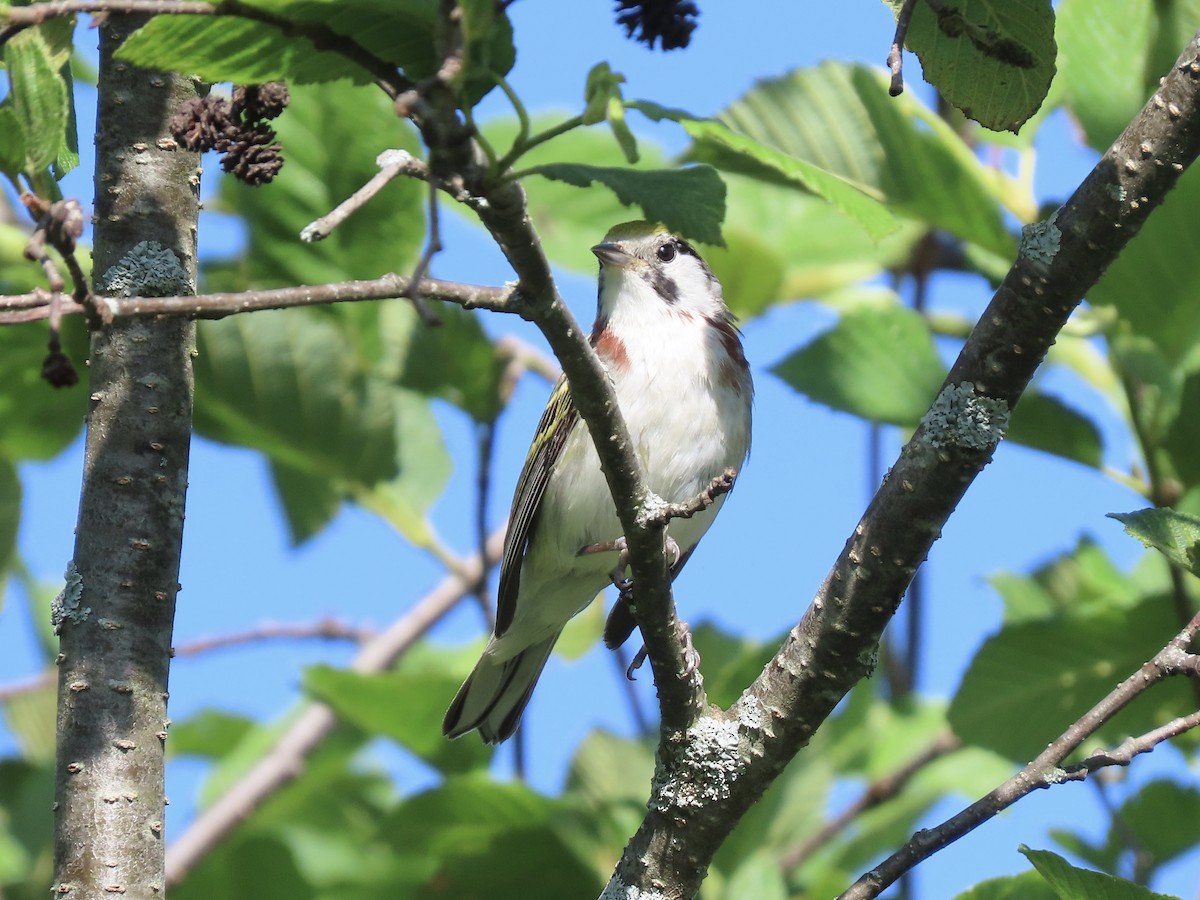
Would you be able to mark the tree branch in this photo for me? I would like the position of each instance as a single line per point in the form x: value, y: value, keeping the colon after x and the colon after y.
x: 30, y: 307
x: 1046, y: 769
x: 285, y: 761
x: 835, y: 643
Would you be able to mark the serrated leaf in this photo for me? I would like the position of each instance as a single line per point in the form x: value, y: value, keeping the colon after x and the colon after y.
x: 404, y: 706
x: 1026, y: 886
x: 1073, y: 883
x: 993, y: 61
x: 39, y: 98
x: 839, y: 119
x: 689, y: 201
x: 811, y: 250
x: 1034, y: 678
x: 288, y: 383
x: 1174, y: 534
x: 878, y: 362
x: 848, y: 198
x: 457, y: 362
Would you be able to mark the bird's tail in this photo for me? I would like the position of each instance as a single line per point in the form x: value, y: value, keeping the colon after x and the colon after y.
x: 495, y: 694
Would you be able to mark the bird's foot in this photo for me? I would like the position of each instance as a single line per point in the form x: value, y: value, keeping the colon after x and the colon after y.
x: 622, y: 583
x: 691, y: 658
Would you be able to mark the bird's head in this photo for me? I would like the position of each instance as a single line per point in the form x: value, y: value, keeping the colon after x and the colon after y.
x: 643, y: 263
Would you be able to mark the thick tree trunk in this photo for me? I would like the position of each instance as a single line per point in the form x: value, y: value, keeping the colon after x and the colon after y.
x: 115, y: 615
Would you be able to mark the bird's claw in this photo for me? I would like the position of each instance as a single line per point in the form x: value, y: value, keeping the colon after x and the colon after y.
x: 691, y: 657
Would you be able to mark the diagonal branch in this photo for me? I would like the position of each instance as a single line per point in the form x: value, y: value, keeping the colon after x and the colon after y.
x: 1046, y: 769
x: 285, y: 760
x: 835, y: 643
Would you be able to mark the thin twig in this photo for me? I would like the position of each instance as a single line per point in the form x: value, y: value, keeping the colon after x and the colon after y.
x: 432, y: 247
x: 895, y: 57
x: 392, y: 163
x: 878, y: 791
x: 325, y: 629
x: 1046, y: 769
x: 285, y: 761
x: 720, y: 485
x: 215, y: 306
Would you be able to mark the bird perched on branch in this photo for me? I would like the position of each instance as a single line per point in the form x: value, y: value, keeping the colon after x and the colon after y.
x: 675, y: 359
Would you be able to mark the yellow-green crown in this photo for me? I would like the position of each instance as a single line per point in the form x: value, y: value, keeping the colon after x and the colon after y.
x: 632, y: 231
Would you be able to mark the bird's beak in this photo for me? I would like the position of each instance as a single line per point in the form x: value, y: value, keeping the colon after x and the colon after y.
x: 610, y: 254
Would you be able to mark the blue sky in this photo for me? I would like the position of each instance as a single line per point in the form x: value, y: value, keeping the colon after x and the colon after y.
x: 796, y: 502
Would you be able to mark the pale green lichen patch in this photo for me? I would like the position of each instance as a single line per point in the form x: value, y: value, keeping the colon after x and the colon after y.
x: 68, y: 605
x: 959, y: 417
x: 1040, y: 240
x: 704, y: 771
x: 147, y: 270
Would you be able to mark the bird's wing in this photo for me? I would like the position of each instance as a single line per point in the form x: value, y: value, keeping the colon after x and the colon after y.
x: 552, y: 432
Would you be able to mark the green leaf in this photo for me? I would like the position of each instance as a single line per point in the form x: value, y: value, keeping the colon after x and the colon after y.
x: 425, y: 468
x: 848, y: 198
x: 1072, y: 883
x: 1162, y: 255
x: 994, y: 61
x: 810, y: 250
x: 1139, y: 39
x: 289, y: 383
x: 1048, y: 424
x: 839, y: 119
x: 12, y: 142
x: 1078, y: 580
x: 484, y: 839
x: 39, y: 98
x: 1142, y: 817
x: 688, y: 201
x: 208, y: 733
x: 457, y: 362
x: 877, y: 362
x: 488, y: 49
x: 1034, y: 678
x: 603, y: 84
x: 29, y: 717
x: 759, y: 877
x: 10, y: 515
x: 331, y: 135
x: 1026, y: 886
x: 404, y: 706
x: 39, y: 420
x: 257, y: 865
x: 1174, y: 534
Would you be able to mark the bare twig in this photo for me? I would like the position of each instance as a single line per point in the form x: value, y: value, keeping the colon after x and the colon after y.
x: 878, y: 791
x: 392, y: 163
x: 1046, y: 769
x: 432, y: 248
x: 284, y: 761
x: 720, y: 485
x: 326, y: 628
x: 895, y: 57
x: 215, y: 306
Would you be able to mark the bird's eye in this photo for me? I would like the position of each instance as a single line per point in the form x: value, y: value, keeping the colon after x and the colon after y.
x: 666, y: 252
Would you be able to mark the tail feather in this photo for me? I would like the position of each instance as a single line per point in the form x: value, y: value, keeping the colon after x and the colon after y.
x: 496, y: 693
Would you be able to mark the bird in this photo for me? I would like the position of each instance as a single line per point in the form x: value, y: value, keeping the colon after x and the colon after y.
x: 674, y: 355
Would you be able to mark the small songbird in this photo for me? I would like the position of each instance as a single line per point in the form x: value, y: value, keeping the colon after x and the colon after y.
x: 675, y: 359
